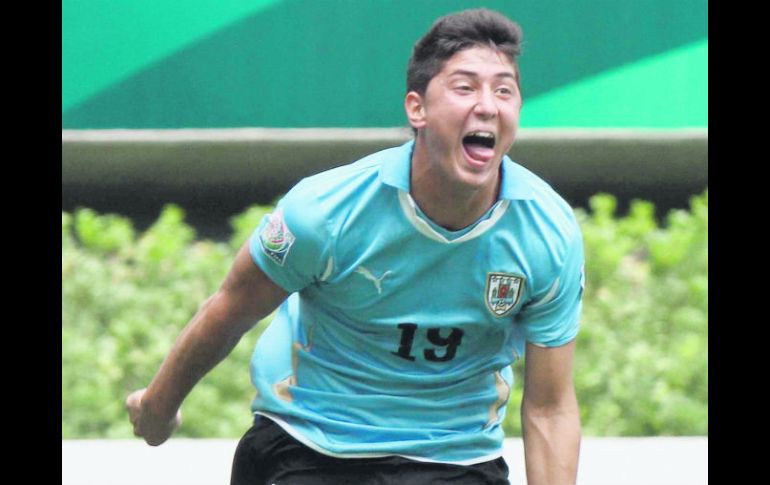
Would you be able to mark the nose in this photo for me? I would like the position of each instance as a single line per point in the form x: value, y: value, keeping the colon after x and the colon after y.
x: 485, y: 108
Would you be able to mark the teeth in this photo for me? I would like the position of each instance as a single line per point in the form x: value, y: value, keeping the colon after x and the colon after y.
x: 483, y: 134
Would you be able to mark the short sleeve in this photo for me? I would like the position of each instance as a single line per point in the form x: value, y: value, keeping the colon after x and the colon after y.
x: 291, y: 245
x: 552, y: 318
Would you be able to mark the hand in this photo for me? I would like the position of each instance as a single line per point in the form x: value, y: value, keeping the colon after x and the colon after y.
x: 154, y: 429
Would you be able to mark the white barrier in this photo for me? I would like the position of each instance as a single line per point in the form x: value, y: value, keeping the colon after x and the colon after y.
x: 261, y: 163
x: 603, y: 461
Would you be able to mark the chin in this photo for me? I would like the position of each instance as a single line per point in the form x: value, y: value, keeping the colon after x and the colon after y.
x: 476, y: 179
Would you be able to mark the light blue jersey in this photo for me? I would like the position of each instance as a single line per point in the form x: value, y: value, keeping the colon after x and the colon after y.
x: 399, y: 335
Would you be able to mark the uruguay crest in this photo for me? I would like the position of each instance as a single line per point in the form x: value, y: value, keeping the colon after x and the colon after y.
x: 275, y: 238
x: 503, y: 292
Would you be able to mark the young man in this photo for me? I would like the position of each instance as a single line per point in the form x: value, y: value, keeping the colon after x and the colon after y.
x: 408, y: 283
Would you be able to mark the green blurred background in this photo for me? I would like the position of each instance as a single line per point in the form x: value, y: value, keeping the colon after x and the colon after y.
x: 342, y: 63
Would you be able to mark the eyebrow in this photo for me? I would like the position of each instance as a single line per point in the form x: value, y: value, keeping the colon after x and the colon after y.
x: 463, y: 72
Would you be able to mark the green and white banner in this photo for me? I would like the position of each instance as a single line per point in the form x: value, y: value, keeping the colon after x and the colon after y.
x: 342, y: 63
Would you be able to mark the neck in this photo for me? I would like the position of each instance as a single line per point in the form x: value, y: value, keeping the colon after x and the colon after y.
x: 449, y: 204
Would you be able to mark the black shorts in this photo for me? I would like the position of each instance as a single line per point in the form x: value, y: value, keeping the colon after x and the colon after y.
x: 268, y: 455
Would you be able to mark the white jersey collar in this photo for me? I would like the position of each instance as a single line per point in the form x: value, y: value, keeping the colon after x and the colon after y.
x: 409, y: 208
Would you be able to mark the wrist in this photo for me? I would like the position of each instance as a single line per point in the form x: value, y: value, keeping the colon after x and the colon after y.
x: 157, y: 408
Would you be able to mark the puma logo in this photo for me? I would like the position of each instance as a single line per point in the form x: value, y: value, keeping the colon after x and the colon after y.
x: 369, y: 276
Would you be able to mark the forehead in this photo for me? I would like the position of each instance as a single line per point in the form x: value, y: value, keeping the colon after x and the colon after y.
x: 480, y: 60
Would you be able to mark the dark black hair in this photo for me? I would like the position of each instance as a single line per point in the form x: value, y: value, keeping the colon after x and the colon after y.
x: 455, y: 32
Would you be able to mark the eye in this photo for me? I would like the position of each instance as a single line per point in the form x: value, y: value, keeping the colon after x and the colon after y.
x: 505, y: 90
x: 464, y: 88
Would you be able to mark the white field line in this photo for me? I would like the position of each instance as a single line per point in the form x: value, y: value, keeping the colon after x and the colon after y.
x: 603, y: 461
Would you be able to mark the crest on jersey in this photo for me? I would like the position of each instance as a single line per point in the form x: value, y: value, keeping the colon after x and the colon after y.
x: 503, y: 292
x: 275, y: 238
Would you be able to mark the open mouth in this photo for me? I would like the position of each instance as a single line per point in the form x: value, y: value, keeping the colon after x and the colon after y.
x: 479, y: 145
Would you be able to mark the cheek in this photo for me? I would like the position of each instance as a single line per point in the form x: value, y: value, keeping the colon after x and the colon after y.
x: 451, y: 107
x: 447, y: 117
x: 511, y: 113
x: 455, y: 101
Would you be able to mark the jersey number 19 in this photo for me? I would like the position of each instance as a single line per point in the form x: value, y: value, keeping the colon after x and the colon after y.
x: 450, y: 343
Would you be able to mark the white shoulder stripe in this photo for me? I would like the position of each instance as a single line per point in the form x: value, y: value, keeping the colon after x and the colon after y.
x: 548, y: 297
x: 329, y: 268
x: 409, y: 207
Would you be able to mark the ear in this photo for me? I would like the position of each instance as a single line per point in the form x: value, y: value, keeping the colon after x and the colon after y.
x: 414, y: 104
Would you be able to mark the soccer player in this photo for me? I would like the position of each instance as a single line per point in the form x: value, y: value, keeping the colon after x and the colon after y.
x: 408, y: 283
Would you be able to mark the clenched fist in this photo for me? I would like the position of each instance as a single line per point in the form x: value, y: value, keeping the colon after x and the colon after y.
x: 153, y: 428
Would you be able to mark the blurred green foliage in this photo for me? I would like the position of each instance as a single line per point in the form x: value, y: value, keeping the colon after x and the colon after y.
x: 125, y: 298
x: 641, y: 365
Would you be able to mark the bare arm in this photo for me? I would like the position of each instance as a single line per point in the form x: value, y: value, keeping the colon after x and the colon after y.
x: 246, y: 296
x: 550, y: 416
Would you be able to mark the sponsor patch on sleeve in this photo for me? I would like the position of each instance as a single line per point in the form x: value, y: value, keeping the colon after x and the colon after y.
x: 275, y: 238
